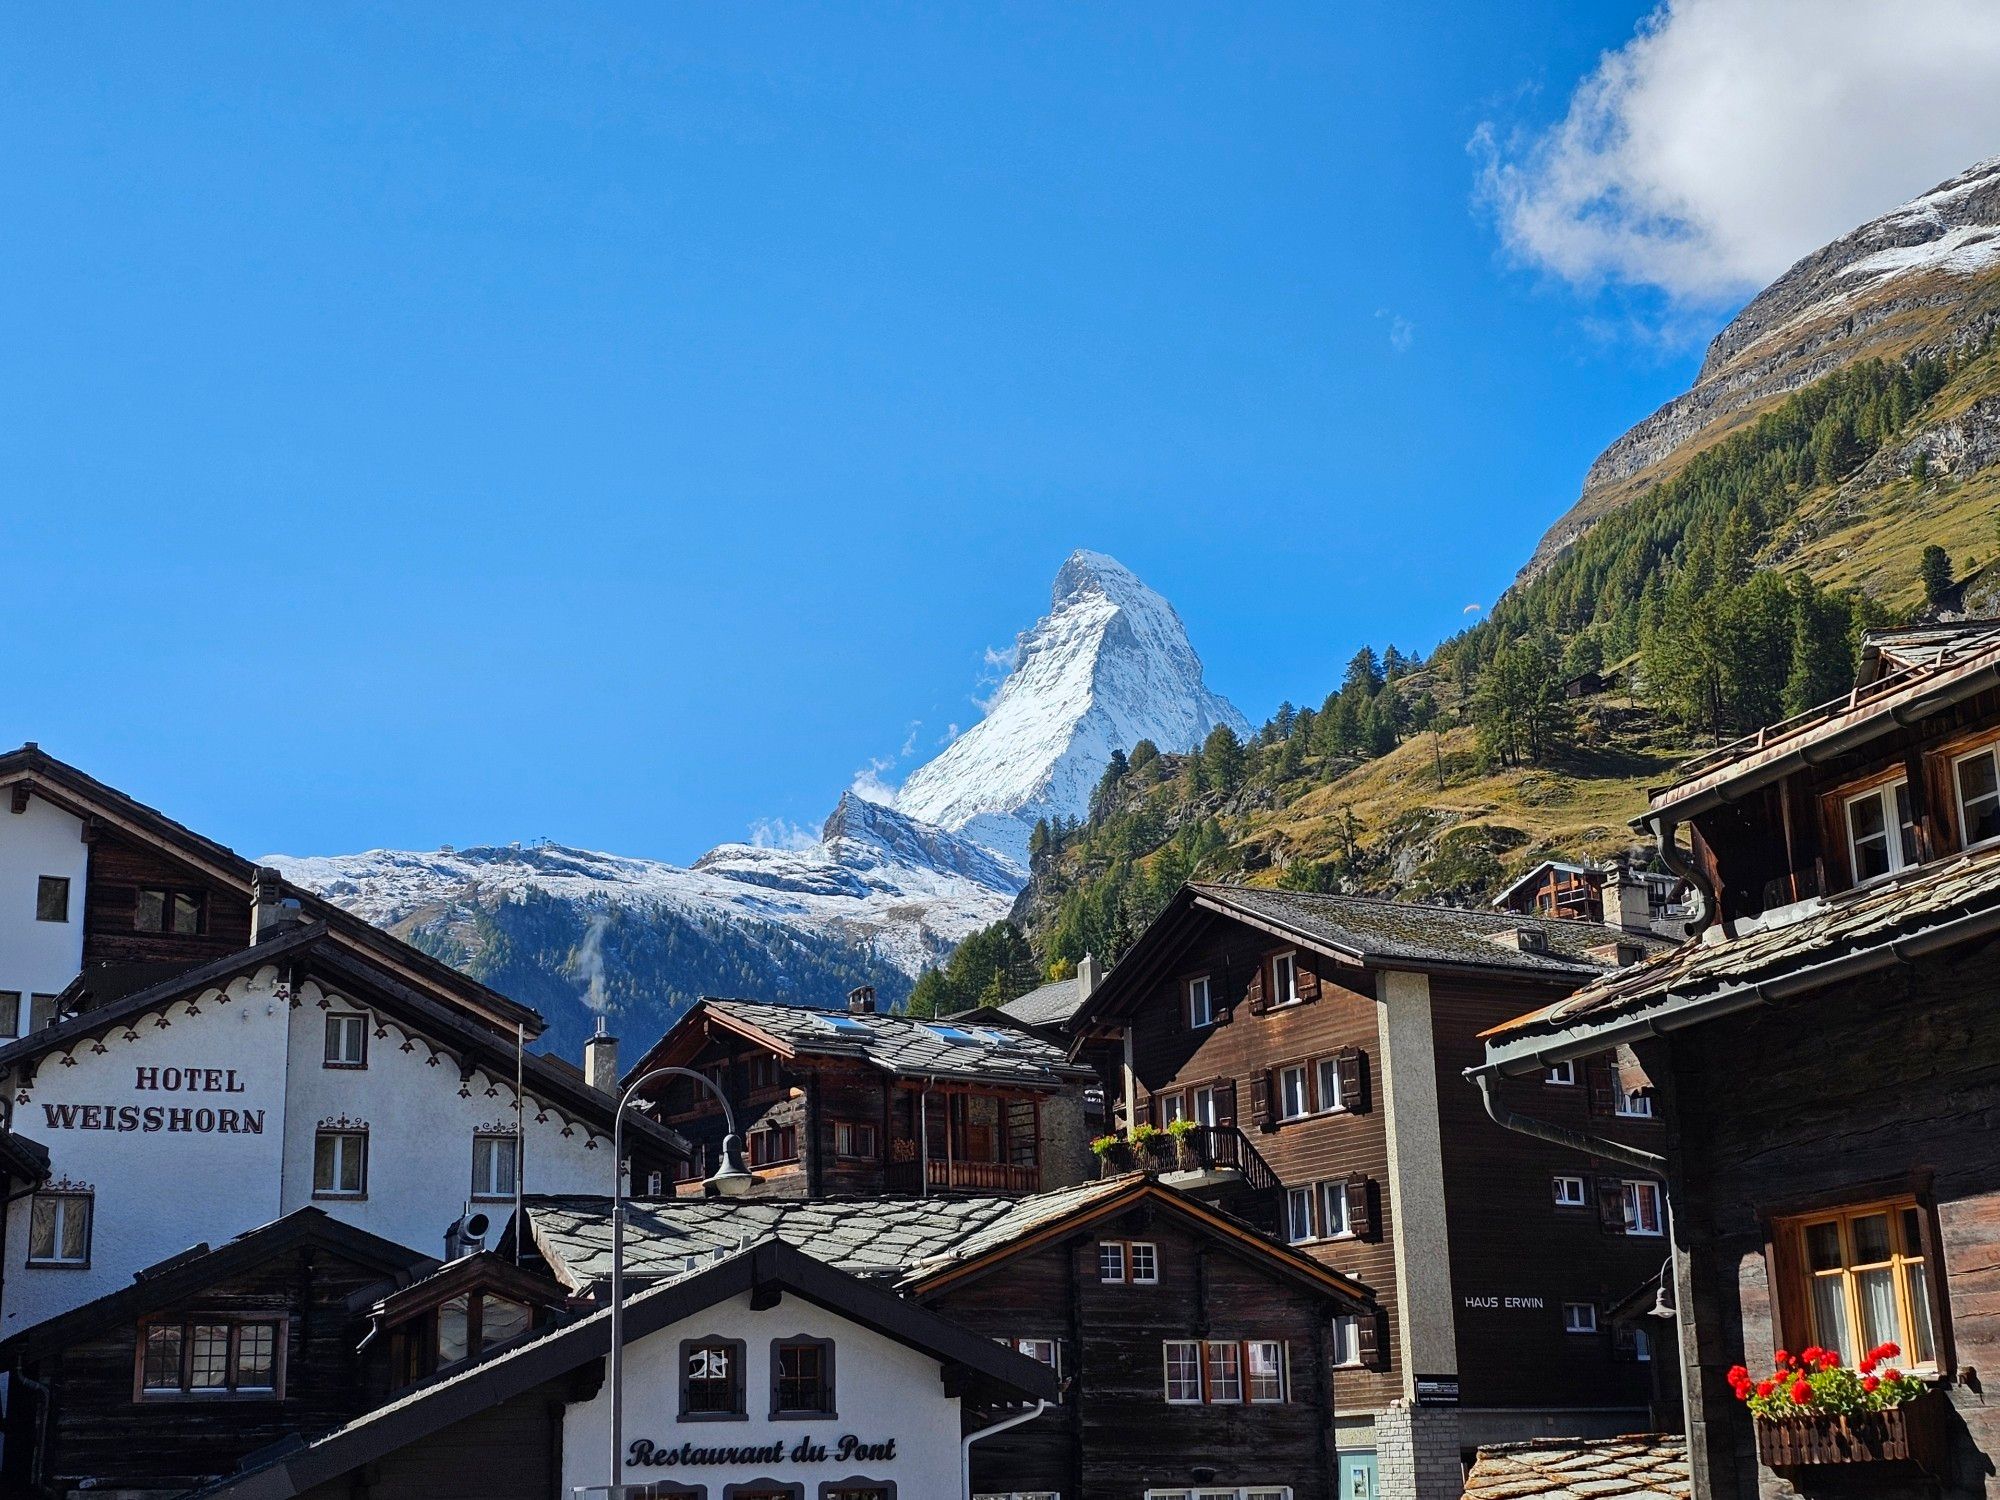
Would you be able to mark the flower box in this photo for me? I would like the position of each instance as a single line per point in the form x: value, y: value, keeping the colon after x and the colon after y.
x: 1912, y: 1433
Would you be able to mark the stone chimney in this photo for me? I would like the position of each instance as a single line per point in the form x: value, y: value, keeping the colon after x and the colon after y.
x: 1086, y: 976
x: 861, y: 1000
x: 600, y: 1061
x: 272, y: 912
x: 1627, y: 905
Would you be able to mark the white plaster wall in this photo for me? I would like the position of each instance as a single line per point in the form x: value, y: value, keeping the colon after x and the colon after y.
x: 419, y: 1131
x: 157, y: 1191
x: 881, y: 1389
x: 39, y: 957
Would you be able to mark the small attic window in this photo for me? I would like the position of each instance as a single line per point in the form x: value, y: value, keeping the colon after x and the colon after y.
x: 1531, y: 940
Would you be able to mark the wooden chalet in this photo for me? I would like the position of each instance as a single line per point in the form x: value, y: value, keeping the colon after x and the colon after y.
x: 1828, y: 1057
x: 859, y: 1101
x: 1299, y: 1056
x: 1195, y: 1355
x: 1646, y: 901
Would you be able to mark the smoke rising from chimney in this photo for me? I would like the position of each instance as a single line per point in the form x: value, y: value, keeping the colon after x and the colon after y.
x: 587, y: 963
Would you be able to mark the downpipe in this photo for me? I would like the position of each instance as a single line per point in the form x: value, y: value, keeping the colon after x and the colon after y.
x: 1561, y: 1135
x: 965, y: 1444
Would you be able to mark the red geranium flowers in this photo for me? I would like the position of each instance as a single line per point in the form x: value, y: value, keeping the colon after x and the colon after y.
x: 1815, y: 1382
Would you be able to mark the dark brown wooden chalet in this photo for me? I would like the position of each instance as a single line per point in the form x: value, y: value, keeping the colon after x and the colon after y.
x: 1829, y: 1058
x: 858, y: 1101
x: 201, y: 1360
x: 1194, y: 1352
x: 1311, y: 1045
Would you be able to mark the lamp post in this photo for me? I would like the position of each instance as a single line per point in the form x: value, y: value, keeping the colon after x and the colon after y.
x: 730, y: 1179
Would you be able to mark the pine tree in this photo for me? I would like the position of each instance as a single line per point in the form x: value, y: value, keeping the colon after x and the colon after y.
x: 1222, y: 757
x: 1935, y: 572
x: 1363, y: 672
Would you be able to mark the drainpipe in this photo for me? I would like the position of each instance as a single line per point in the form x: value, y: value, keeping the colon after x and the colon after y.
x: 1665, y: 834
x: 965, y: 1444
x: 1561, y: 1135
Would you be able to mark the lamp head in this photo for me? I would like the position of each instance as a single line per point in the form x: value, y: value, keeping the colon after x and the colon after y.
x: 731, y: 1178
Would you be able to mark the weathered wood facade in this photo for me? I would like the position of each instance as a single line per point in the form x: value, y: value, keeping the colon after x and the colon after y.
x: 1829, y: 1066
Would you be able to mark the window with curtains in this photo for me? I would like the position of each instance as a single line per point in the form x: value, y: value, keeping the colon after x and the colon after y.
x: 210, y: 1354
x: 1864, y: 1279
x: 1977, y: 778
x: 59, y: 1229
x: 1881, y: 835
x: 493, y: 1165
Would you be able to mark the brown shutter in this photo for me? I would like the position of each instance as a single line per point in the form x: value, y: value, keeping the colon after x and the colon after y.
x: 1308, y: 981
x: 1225, y: 1102
x: 1603, y: 1089
x: 1368, y: 1340
x: 1352, y: 1064
x: 1611, y: 1205
x: 1260, y: 1101
x: 1253, y: 995
x: 1360, y: 1206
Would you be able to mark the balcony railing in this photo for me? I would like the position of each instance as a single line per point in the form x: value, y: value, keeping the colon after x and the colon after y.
x: 1205, y: 1149
x: 959, y: 1176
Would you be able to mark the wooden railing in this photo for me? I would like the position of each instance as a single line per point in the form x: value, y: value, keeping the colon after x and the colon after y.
x: 964, y: 1177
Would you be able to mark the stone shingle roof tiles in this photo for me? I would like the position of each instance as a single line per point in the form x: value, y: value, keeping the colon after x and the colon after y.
x: 1645, y: 1467
x: 905, y: 1046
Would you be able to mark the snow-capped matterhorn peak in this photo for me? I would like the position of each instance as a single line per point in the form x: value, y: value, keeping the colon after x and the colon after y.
x: 1109, y: 665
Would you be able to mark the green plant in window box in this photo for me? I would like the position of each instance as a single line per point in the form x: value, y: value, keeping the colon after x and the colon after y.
x: 1181, y: 1136
x: 1114, y: 1152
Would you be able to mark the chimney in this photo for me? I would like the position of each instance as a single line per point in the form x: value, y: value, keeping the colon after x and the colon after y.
x: 861, y: 1000
x: 600, y: 1061
x: 272, y: 912
x: 1627, y: 904
x: 1086, y: 976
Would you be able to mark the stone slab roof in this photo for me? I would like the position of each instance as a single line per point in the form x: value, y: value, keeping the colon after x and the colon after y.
x: 1646, y: 1467
x: 1393, y: 932
x: 876, y: 1239
x: 1820, y: 933
x: 1050, y: 1005
x: 905, y: 1046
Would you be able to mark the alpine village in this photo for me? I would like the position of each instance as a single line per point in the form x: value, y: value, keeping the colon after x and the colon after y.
x: 1558, y: 1065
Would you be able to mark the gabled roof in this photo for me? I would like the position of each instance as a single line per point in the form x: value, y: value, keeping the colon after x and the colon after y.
x: 84, y: 796
x: 484, y: 1271
x: 912, y: 1243
x: 1051, y: 1004
x: 23, y: 1160
x: 314, y: 952
x: 1361, y: 932
x: 1955, y: 900
x: 200, y: 1267
x: 901, y: 1046
x: 770, y: 1266
x: 1649, y: 1466
x: 1904, y: 676
x: 1534, y: 874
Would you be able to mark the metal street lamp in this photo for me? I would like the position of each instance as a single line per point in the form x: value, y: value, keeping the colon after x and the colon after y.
x: 730, y: 1179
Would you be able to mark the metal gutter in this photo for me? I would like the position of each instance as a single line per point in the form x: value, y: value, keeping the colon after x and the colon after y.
x: 1676, y: 1012
x: 1562, y: 1135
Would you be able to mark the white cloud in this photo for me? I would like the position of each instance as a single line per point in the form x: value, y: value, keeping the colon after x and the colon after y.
x: 782, y: 833
x: 1402, y: 332
x: 869, y: 783
x: 1730, y: 137
x: 1472, y: 609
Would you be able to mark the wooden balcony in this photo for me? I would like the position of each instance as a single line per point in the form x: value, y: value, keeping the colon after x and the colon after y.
x: 964, y: 1177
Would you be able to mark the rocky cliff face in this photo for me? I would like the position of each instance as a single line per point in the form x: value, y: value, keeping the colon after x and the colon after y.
x: 1922, y: 278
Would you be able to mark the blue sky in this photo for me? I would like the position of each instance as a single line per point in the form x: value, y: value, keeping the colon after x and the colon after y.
x: 622, y: 423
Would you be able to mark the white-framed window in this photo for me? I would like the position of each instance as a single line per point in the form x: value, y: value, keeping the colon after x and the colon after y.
x: 1333, y: 1210
x: 1881, y: 837
x: 1977, y: 777
x: 1183, y: 1372
x: 59, y: 1229
x: 1568, y: 1191
x: 1330, y: 1096
x: 1285, y: 979
x: 1200, y: 1002
x: 1111, y: 1261
x: 1579, y: 1317
x: 1299, y: 1221
x: 210, y: 1355
x: 1222, y: 1367
x: 1293, y: 1100
x: 340, y: 1164
x: 1172, y: 1107
x: 1266, y: 1371
x: 856, y: 1139
x: 1642, y: 1208
x: 493, y: 1158
x: 1042, y: 1351
x: 1346, y: 1340
x: 1207, y: 1105
x: 1562, y: 1074
x: 346, y: 1040
x: 1145, y: 1262
x: 1634, y: 1104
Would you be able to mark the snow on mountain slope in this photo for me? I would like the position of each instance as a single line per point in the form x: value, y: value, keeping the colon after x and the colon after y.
x: 1109, y: 665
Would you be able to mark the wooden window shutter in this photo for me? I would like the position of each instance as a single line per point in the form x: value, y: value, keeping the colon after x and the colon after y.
x: 1352, y: 1064
x: 1253, y: 994
x: 1225, y: 1102
x: 1368, y: 1341
x: 1603, y: 1086
x: 1306, y: 979
x: 1260, y: 1101
x: 1611, y: 1205
x: 1360, y: 1206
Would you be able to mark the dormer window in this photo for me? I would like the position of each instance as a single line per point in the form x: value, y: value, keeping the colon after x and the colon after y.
x: 1881, y: 835
x: 1978, y: 779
